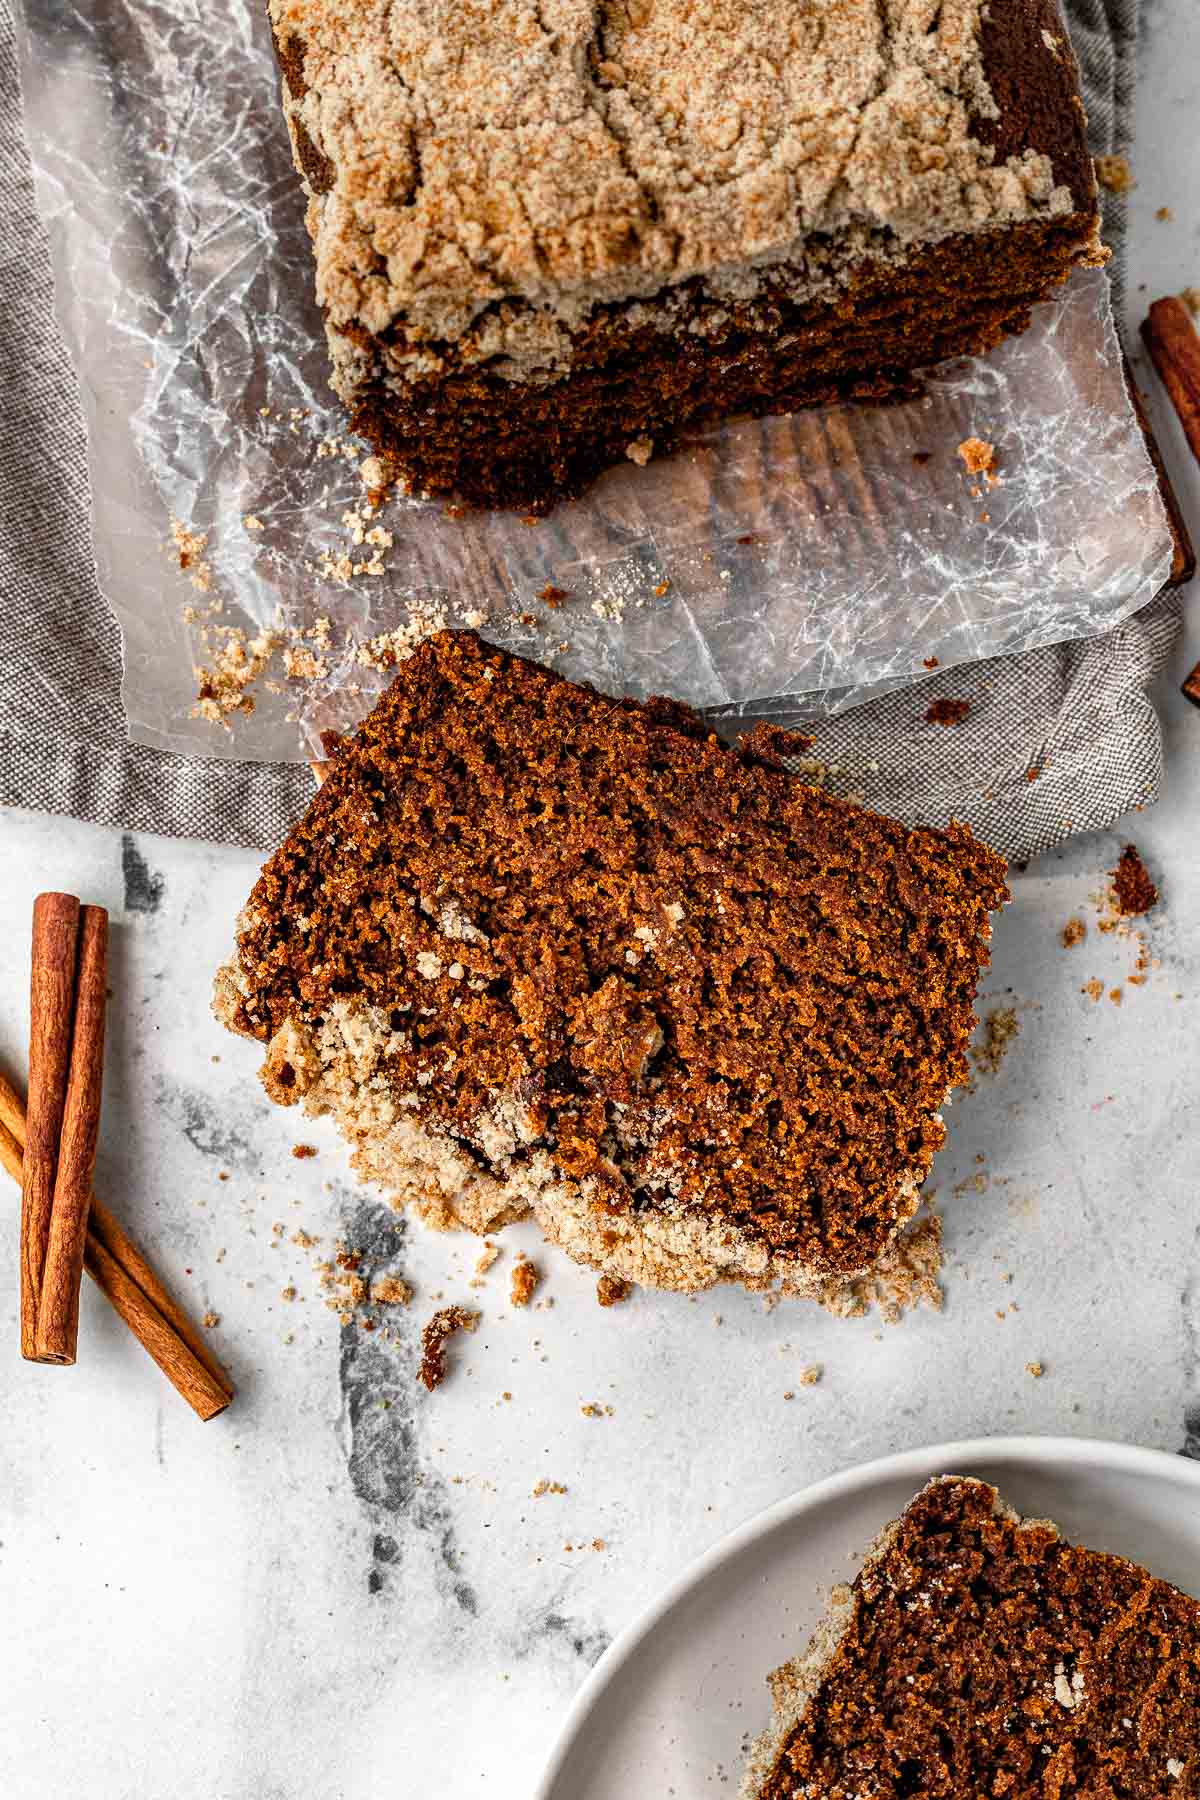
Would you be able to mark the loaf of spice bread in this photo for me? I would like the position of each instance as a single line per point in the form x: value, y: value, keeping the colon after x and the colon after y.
x: 551, y: 234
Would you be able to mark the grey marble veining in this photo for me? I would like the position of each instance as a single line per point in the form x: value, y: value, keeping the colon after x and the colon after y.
x: 345, y: 1587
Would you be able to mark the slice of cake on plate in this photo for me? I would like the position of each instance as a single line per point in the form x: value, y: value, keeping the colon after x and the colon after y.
x: 979, y: 1654
x: 542, y: 951
x: 551, y: 234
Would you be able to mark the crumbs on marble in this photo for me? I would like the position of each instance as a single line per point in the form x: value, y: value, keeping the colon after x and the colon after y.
x: 438, y: 1331
x: 999, y: 1029
x: 611, y: 1290
x: 523, y: 1285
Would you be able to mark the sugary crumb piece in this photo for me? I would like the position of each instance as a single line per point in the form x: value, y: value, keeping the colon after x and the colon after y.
x: 288, y: 1293
x: 640, y: 450
x: 999, y: 1029
x: 525, y: 1278
x: 303, y: 1151
x: 1164, y: 214
x: 1093, y: 988
x: 593, y: 1409
x: 1116, y: 996
x: 488, y: 1256
x: 611, y: 1290
x: 441, y: 1327
x: 211, y: 1320
x: 1036, y: 1369
x: 978, y: 455
x: 391, y: 1290
x: 547, y: 1487
x: 1073, y: 932
x: 1115, y: 174
x: 810, y: 1375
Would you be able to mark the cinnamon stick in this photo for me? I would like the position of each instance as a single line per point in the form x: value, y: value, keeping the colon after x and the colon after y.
x: 58, y: 1308
x: 135, y: 1292
x: 1174, y: 347
x: 52, y: 1001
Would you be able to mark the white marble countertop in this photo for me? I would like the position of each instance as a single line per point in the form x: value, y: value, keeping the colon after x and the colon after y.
x: 344, y: 1587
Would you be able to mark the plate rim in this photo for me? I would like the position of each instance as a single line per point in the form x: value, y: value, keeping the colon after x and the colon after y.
x: 1036, y: 1447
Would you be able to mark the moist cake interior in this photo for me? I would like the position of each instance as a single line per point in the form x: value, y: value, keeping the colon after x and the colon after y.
x: 979, y: 1653
x: 542, y: 950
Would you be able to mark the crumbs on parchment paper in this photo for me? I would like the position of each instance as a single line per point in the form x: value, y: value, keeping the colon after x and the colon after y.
x: 434, y: 1339
x: 979, y: 458
x: 189, y: 547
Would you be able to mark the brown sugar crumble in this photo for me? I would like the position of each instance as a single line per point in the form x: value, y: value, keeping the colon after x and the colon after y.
x: 434, y: 1339
x: 544, y: 247
x: 1115, y: 174
x: 524, y: 1280
x: 978, y: 456
x: 548, y: 1487
x: 978, y: 1653
x: 947, y: 712
x: 1133, y: 892
x: 999, y: 1029
x: 534, y: 978
x: 302, y: 1152
x: 610, y: 1290
x: 1073, y: 932
x: 390, y: 1290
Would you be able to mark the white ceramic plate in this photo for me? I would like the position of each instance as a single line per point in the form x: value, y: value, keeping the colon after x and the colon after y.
x: 669, y: 1709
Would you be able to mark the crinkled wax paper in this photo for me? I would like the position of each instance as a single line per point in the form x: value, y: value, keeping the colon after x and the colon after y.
x: 805, y: 558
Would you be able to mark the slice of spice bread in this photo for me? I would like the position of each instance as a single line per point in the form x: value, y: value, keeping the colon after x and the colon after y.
x: 538, y: 950
x: 980, y: 1654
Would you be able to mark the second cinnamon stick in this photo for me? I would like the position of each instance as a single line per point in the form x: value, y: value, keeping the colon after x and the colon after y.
x: 52, y: 1004
x: 58, y: 1308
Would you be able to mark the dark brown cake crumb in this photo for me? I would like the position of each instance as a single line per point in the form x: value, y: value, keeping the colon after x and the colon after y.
x: 1073, y: 932
x: 979, y: 1654
x: 303, y: 1151
x: 434, y: 1338
x: 610, y: 1291
x: 1133, y: 892
x: 948, y: 712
